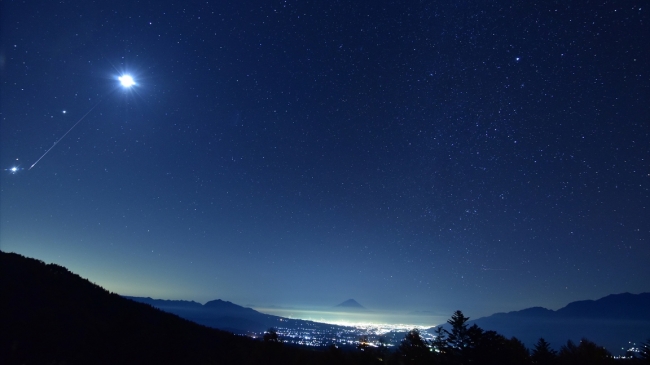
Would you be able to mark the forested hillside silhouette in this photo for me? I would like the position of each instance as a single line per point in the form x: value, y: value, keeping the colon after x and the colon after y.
x: 49, y: 315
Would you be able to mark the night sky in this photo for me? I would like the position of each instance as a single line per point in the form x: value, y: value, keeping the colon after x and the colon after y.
x: 413, y: 155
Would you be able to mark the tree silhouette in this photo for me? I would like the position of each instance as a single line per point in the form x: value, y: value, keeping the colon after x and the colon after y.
x: 587, y: 353
x: 543, y: 354
x: 271, y: 336
x: 516, y: 352
x: 414, y: 349
x: 363, y: 343
x: 490, y: 348
x: 439, y: 347
x: 382, y: 349
x: 486, y: 347
x: 458, y: 339
x: 334, y: 355
x: 439, y: 342
x: 367, y: 354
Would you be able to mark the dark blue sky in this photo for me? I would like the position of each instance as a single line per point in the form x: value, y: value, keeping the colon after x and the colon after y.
x: 416, y: 156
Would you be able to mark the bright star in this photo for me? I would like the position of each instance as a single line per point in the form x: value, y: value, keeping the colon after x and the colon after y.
x: 14, y: 169
x: 126, y: 81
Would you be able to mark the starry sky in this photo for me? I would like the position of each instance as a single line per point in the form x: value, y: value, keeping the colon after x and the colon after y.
x: 417, y: 156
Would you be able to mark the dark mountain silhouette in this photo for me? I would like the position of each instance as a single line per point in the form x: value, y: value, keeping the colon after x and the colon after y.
x: 49, y: 315
x: 611, y: 321
x: 623, y: 306
x: 350, y: 304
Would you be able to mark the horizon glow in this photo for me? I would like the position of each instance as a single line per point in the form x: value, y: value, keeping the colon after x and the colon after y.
x: 383, y: 319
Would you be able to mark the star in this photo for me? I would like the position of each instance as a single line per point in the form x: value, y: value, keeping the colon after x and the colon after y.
x: 13, y: 169
x: 126, y: 81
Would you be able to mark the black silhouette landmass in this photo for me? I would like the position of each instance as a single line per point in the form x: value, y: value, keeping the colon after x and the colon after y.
x: 49, y: 315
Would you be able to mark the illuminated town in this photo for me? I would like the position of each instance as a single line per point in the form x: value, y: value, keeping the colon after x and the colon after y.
x: 323, y: 334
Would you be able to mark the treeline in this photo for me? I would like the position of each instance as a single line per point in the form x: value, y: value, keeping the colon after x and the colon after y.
x: 460, y: 344
x: 463, y: 345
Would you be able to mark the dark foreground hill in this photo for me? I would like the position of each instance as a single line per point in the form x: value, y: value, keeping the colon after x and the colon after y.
x: 49, y: 315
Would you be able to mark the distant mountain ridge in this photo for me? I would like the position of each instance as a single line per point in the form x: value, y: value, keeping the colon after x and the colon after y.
x: 225, y: 307
x: 614, y: 306
x: 610, y: 321
x: 226, y: 315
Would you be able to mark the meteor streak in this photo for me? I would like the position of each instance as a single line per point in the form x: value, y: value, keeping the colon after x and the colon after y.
x: 126, y: 81
x: 63, y: 136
